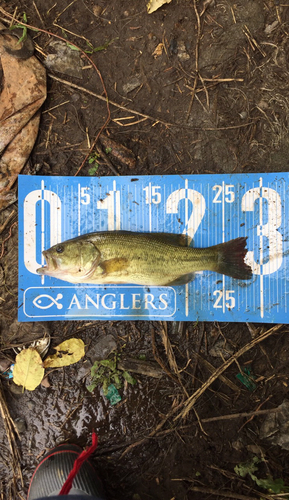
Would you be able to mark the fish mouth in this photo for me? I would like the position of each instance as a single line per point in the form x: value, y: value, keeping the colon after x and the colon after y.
x: 51, y: 265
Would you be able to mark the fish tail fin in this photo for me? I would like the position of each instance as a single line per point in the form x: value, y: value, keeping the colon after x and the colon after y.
x: 230, y: 261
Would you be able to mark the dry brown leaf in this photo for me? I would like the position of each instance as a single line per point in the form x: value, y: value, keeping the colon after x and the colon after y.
x: 154, y: 5
x: 158, y: 50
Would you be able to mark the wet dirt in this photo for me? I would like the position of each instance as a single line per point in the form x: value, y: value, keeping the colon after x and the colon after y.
x: 216, y: 100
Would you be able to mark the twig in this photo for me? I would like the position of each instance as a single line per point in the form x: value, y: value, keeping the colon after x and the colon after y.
x: 196, y: 59
x: 10, y: 430
x: 252, y: 416
x: 211, y: 368
x: 152, y: 433
x: 158, y: 433
x: 112, y: 103
x: 106, y: 160
x: 188, y: 405
x: 149, y: 117
x: 158, y: 359
x: 6, y: 222
x: 170, y: 354
x: 6, y: 239
x: 225, y: 494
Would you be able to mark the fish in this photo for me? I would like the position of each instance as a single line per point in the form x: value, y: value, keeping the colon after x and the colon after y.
x: 124, y: 257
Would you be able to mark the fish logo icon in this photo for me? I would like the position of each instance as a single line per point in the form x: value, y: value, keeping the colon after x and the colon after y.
x: 45, y: 301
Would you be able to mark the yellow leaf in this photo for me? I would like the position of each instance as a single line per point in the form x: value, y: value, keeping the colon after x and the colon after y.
x: 28, y: 369
x: 68, y: 352
x: 154, y: 5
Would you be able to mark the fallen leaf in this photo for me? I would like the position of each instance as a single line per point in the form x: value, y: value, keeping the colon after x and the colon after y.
x: 68, y: 352
x: 45, y: 382
x: 158, y: 50
x: 154, y: 5
x: 28, y: 369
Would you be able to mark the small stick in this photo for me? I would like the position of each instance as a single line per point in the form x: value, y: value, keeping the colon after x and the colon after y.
x: 196, y: 59
x: 7, y: 221
x: 6, y: 239
x: 149, y: 117
x: 10, y: 429
x: 106, y: 160
x: 158, y: 359
x: 219, y: 493
x: 188, y: 405
x: 38, y: 13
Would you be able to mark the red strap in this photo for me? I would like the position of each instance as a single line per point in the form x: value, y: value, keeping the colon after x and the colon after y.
x: 84, y: 455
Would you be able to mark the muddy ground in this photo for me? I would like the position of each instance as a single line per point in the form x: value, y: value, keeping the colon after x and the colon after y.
x: 211, y: 78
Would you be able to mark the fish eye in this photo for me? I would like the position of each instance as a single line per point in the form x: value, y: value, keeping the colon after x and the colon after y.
x: 59, y: 249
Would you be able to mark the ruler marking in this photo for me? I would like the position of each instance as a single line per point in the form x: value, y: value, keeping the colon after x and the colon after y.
x: 78, y: 212
x: 277, y: 281
x: 188, y: 239
x: 285, y: 265
x: 42, y: 228
x: 246, y: 232
x: 223, y: 240
x: 150, y: 207
x: 261, y: 248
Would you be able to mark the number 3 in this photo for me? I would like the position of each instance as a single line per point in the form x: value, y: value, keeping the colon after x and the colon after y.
x: 269, y: 230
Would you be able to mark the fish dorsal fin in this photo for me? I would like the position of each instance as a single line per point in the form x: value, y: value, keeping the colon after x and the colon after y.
x: 179, y: 240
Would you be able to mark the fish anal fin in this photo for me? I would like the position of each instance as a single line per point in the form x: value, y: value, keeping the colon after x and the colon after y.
x: 114, y: 265
x: 182, y: 280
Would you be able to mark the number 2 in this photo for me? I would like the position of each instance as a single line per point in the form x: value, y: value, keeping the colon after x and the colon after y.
x: 197, y: 214
x: 229, y: 194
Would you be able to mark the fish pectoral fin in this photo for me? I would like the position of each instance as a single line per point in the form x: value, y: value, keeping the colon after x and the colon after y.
x: 114, y: 265
x: 182, y: 280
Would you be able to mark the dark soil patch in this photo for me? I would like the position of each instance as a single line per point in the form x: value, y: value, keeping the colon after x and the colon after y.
x: 224, y: 110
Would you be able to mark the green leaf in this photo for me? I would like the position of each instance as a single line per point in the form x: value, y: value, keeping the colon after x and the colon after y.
x: 93, y: 170
x: 28, y: 369
x: 127, y: 376
x: 72, y: 47
x: 109, y: 363
x: 247, y: 467
x: 98, y: 49
x: 105, y: 386
x: 273, y: 485
x: 115, y: 377
x: 91, y: 387
x: 94, y: 369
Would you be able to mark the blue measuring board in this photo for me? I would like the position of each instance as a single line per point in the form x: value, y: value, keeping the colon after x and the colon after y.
x: 209, y: 209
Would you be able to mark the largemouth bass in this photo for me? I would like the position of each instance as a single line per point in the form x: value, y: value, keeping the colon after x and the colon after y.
x: 118, y: 257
